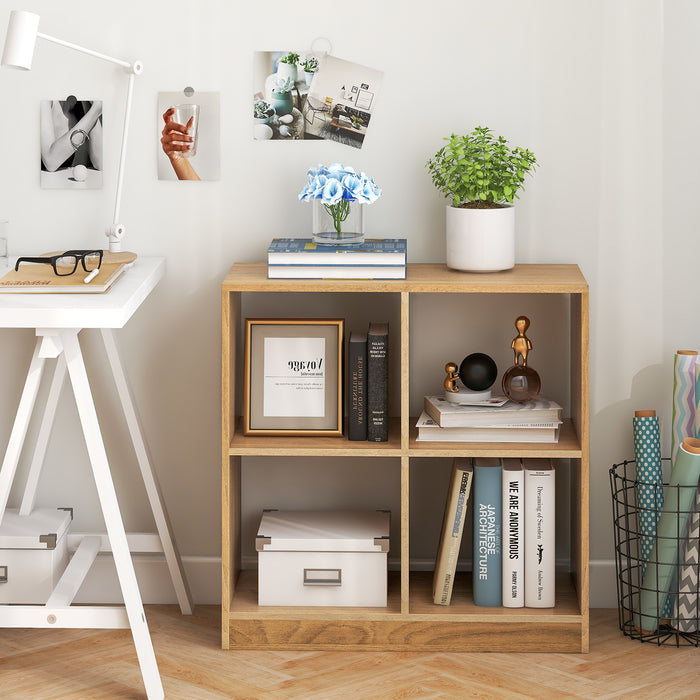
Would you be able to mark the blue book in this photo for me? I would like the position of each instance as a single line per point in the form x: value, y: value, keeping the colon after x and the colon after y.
x: 488, y: 518
x: 303, y: 251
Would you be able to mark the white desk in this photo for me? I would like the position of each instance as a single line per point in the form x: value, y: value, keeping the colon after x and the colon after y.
x: 58, y: 318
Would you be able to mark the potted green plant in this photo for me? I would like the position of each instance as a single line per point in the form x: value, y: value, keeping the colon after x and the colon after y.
x: 262, y: 112
x: 481, y: 175
x: 281, y: 96
x: 309, y: 66
x: 287, y: 66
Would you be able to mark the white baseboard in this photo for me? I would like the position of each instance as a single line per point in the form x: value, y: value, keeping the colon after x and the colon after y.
x: 101, y: 586
x: 204, y: 578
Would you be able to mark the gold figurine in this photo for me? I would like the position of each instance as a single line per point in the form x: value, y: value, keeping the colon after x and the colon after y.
x: 521, y: 343
x: 450, y: 382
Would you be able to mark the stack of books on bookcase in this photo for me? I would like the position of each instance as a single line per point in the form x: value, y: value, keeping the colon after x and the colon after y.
x: 301, y: 258
x: 513, y: 507
x: 368, y: 383
x: 500, y: 421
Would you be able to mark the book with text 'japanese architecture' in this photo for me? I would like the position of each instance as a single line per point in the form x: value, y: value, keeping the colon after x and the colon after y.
x: 487, y: 533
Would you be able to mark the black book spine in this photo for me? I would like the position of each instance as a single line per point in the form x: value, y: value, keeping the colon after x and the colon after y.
x: 378, y: 382
x: 357, y: 386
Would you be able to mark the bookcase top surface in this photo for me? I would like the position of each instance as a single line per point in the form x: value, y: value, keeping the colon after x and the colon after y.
x: 422, y: 277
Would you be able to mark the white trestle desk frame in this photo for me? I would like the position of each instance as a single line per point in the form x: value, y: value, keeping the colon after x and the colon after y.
x: 58, y: 318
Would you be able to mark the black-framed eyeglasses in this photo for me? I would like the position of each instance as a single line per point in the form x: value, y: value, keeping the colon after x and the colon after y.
x: 67, y: 263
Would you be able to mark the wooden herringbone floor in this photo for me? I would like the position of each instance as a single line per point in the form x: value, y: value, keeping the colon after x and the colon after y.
x: 101, y: 664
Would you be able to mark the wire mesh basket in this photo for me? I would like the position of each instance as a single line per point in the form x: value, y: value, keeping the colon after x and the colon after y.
x: 658, y: 596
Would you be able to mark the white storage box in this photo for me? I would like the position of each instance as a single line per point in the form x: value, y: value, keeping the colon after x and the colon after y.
x: 33, y: 554
x: 336, y: 558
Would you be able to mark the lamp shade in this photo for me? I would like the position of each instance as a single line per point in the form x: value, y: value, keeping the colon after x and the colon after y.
x: 21, y: 36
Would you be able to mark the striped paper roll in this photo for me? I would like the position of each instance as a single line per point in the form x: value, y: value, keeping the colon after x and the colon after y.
x: 663, y: 559
x: 685, y: 609
x: 696, y: 406
x: 650, y: 491
x: 683, y: 398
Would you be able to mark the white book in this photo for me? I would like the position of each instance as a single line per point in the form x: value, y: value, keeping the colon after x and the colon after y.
x: 513, y: 486
x: 429, y: 430
x: 494, y: 412
x: 347, y: 272
x: 539, y: 532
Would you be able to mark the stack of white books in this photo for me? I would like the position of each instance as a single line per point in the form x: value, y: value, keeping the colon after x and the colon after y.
x: 301, y: 258
x: 499, y: 421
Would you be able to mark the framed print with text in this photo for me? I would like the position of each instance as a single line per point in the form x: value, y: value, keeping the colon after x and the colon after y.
x: 293, y: 377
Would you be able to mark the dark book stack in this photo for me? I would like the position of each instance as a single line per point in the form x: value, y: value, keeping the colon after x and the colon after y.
x: 378, y: 382
x: 357, y: 386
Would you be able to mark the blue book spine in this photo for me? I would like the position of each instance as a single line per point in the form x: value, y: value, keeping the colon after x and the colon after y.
x: 488, y: 529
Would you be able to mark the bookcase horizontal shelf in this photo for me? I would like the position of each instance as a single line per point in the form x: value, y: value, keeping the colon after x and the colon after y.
x: 425, y: 627
x: 410, y: 622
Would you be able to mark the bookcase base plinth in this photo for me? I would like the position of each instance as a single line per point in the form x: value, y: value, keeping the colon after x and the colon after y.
x: 405, y: 634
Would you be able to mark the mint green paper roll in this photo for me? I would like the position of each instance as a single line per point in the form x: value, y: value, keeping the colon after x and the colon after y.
x: 663, y: 560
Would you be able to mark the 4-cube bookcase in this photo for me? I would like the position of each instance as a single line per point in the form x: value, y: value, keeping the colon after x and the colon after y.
x: 410, y: 622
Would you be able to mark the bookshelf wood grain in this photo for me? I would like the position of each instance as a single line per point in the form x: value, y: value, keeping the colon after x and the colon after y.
x: 410, y: 621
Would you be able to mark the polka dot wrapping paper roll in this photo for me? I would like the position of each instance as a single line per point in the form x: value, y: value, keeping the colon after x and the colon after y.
x: 650, y: 491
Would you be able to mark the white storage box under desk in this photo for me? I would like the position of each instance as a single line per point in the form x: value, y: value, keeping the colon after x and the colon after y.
x: 334, y: 558
x: 33, y: 554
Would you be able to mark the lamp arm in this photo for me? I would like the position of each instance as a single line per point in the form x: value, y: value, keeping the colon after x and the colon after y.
x: 82, y: 49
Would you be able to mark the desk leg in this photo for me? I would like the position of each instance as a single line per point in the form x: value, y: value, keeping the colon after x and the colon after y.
x: 112, y: 515
x: 155, y: 497
x: 19, y: 428
x: 42, y: 440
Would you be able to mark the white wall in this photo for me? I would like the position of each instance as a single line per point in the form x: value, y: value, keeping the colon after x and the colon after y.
x: 586, y: 86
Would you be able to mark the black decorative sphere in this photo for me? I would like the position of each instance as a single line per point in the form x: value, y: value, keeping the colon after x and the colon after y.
x: 478, y: 371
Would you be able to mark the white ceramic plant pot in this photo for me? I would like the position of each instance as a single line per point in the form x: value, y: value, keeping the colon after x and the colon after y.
x: 480, y: 240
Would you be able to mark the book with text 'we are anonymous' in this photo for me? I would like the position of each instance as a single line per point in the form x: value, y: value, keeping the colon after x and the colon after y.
x: 539, y: 532
x: 513, y: 533
x: 452, y: 529
x: 487, y: 531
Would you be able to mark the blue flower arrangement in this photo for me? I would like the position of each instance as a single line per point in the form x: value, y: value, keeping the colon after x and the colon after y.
x: 337, y: 186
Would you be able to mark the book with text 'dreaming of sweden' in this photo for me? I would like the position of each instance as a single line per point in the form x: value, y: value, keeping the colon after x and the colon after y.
x: 513, y: 533
x: 452, y: 529
x: 357, y: 386
x: 378, y: 382
x: 488, y: 512
x: 539, y: 532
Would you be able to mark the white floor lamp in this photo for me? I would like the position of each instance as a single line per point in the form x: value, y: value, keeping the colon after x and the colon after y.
x: 22, y: 33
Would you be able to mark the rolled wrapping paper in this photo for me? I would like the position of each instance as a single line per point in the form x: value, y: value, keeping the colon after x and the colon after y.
x: 656, y: 582
x: 650, y: 481
x: 685, y: 609
x: 683, y: 423
x: 696, y: 406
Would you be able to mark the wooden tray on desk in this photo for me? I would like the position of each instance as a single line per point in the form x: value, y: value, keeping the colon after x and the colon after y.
x: 41, y: 278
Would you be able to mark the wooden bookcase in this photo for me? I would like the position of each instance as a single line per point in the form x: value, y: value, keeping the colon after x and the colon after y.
x: 410, y: 622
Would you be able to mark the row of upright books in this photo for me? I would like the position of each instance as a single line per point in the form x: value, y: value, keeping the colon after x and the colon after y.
x: 368, y: 383
x: 497, y: 420
x: 301, y: 258
x: 513, y: 509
